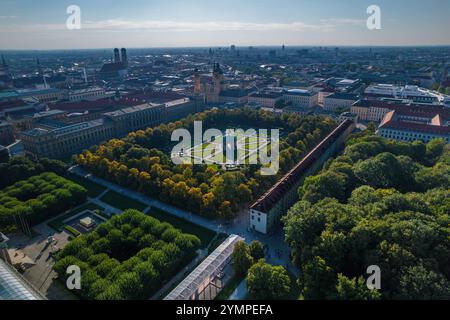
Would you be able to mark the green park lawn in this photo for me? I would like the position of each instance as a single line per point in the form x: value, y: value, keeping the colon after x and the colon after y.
x: 122, y: 202
x: 205, y: 235
x: 94, y: 189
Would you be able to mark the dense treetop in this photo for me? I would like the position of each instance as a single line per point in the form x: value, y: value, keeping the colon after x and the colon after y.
x: 21, y: 168
x: 38, y: 198
x: 128, y: 257
x: 381, y: 203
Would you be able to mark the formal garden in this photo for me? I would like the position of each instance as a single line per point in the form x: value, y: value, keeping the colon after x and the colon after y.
x: 142, y: 161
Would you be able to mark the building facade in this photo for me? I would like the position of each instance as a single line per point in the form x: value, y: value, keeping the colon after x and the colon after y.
x: 301, y: 99
x: 211, y: 89
x: 266, y: 99
x: 89, y: 94
x: 408, y: 127
x: 376, y: 110
x: 413, y: 93
x: 57, y: 139
x: 6, y: 133
x: 64, y: 140
x: 336, y: 101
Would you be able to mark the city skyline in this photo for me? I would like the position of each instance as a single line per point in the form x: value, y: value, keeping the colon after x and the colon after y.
x: 199, y: 23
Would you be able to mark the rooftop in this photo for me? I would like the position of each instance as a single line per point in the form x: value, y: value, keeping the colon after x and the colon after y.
x: 342, y: 96
x: 267, y: 95
x: 208, y: 268
x: 133, y: 109
x: 300, y: 92
x: 402, y: 121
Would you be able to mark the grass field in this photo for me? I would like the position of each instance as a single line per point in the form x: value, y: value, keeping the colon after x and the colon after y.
x: 212, y: 152
x: 122, y: 202
x: 94, y: 189
x: 205, y: 235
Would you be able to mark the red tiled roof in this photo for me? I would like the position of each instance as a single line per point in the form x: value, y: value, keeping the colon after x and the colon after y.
x: 411, y: 126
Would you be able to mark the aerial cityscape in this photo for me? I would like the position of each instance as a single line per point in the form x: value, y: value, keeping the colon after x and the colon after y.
x: 214, y: 155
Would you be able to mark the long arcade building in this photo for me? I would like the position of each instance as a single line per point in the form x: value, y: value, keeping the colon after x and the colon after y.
x: 265, y: 213
x: 59, y: 140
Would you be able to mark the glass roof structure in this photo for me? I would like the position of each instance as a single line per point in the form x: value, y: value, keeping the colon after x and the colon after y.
x: 208, y: 269
x: 14, y: 287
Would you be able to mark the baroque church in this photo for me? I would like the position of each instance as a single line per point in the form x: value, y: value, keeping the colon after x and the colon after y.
x: 211, y: 88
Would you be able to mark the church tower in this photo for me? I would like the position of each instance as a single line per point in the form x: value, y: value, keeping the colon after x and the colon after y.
x: 197, y: 83
x: 218, y: 79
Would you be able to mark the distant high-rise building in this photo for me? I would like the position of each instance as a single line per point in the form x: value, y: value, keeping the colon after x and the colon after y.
x: 5, y: 76
x: 124, y: 57
x: 116, y: 55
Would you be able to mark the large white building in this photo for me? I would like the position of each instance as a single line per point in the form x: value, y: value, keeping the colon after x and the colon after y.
x: 301, y: 99
x: 402, y: 125
x: 412, y: 93
x: 337, y: 101
x: 376, y: 110
x: 265, y: 99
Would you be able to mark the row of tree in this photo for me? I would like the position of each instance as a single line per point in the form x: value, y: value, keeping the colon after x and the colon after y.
x: 137, y: 162
x: 128, y: 257
x: 37, y: 199
x: 382, y: 203
x: 21, y: 168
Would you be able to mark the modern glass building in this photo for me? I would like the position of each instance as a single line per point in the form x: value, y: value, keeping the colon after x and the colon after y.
x: 204, y: 282
x: 14, y: 287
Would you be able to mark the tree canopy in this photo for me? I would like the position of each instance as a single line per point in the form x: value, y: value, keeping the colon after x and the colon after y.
x: 381, y: 203
x: 128, y: 257
x: 267, y: 282
x: 38, y: 198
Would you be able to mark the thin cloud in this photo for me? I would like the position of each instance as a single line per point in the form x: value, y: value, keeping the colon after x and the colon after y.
x: 188, y: 26
x: 341, y: 22
x: 119, y: 24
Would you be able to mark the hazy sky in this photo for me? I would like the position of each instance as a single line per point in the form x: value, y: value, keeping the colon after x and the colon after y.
x: 41, y: 24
